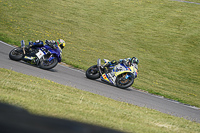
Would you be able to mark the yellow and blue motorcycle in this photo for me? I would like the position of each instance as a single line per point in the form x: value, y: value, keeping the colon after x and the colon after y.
x: 120, y: 75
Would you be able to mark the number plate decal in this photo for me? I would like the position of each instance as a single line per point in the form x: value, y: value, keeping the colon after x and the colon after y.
x: 40, y: 54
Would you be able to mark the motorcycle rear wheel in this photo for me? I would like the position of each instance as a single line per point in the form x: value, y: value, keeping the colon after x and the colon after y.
x: 123, y: 83
x: 48, y: 65
x: 16, y: 54
x: 93, y: 72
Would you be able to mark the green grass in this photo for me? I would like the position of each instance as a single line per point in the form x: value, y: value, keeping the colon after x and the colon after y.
x: 162, y: 34
x: 44, y: 97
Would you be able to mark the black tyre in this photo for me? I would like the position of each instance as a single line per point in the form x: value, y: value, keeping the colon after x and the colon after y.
x: 16, y: 54
x: 122, y: 82
x: 45, y: 64
x: 93, y: 72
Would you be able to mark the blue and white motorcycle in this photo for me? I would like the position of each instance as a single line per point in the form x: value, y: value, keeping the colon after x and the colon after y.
x: 45, y: 56
x: 119, y: 75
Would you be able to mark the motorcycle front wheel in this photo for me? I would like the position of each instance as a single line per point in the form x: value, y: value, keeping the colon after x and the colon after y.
x: 16, y: 54
x: 46, y: 64
x: 122, y: 82
x: 93, y: 72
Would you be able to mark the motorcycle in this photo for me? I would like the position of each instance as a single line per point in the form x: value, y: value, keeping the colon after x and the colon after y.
x: 44, y: 56
x: 120, y: 75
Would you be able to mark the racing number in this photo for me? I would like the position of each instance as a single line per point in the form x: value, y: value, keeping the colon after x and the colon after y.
x: 104, y: 76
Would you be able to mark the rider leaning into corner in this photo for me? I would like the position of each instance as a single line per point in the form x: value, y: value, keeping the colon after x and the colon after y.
x: 128, y: 62
x: 59, y: 44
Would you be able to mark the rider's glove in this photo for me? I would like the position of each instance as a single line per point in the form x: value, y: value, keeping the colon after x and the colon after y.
x: 54, y: 46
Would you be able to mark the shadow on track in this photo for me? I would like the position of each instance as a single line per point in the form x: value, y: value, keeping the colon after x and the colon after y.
x: 104, y: 82
x: 25, y: 63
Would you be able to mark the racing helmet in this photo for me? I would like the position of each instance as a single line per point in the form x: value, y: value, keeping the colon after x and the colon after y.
x: 61, y: 43
x: 134, y: 60
x: 114, y: 62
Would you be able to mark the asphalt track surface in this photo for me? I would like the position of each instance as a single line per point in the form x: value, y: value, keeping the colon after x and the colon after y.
x: 187, y: 2
x: 65, y: 75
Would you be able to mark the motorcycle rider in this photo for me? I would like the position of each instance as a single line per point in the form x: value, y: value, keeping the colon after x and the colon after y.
x: 60, y: 43
x: 132, y: 61
x: 127, y: 61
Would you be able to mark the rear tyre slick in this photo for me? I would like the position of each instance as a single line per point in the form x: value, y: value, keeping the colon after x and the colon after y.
x: 16, y: 54
x: 92, y: 72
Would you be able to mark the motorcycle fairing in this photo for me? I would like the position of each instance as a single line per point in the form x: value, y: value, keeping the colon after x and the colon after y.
x: 117, y: 70
x: 106, y: 61
x: 121, y: 68
x: 105, y: 77
x: 56, y: 52
x: 29, y: 57
x: 108, y: 78
x: 40, y: 54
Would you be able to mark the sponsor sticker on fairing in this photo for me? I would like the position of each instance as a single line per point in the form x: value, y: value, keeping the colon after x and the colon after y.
x: 40, y: 54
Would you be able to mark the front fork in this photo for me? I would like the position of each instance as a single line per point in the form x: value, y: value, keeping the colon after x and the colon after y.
x: 50, y: 58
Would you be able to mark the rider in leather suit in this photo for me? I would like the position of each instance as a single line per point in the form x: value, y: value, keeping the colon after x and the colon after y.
x: 60, y: 43
x: 128, y: 62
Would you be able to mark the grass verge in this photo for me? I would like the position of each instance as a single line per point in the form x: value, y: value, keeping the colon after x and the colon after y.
x: 44, y: 97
